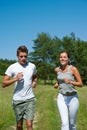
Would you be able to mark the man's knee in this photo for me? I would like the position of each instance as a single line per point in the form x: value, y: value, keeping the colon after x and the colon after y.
x: 19, y: 126
x: 29, y: 124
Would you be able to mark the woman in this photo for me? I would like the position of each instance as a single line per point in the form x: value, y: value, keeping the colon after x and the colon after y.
x: 68, y: 77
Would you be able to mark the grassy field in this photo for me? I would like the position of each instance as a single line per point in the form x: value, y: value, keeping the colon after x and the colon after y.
x: 47, y: 115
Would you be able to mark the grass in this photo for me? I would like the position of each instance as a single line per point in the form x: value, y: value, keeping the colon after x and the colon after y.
x: 6, y: 112
x: 47, y: 115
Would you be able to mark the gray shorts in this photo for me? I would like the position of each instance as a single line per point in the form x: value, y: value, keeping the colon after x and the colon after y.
x: 24, y: 109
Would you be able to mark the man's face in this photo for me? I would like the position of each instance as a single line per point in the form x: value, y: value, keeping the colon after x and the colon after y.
x: 22, y: 57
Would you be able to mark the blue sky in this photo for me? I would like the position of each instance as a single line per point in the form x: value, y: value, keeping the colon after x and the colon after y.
x: 22, y: 20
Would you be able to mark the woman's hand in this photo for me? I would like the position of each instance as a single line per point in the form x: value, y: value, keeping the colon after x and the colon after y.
x: 56, y: 85
x: 66, y: 80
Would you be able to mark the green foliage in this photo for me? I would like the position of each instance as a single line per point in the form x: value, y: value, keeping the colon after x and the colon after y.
x: 4, y: 63
x: 46, y: 52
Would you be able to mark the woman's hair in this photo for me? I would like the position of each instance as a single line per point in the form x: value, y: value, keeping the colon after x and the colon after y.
x: 64, y: 51
x: 22, y: 49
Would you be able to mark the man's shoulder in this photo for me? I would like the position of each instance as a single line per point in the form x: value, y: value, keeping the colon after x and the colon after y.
x: 31, y: 64
x: 13, y: 65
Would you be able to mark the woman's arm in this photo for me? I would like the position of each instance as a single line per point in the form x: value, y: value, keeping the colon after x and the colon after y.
x: 56, y: 84
x: 77, y: 76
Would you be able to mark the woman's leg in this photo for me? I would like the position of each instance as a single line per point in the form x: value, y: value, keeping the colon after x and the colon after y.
x: 63, y: 110
x: 73, y: 109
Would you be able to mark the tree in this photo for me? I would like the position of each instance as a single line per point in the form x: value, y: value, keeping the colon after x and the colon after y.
x: 40, y: 56
x: 47, y: 49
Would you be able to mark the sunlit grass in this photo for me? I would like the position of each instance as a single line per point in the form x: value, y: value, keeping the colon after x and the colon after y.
x: 6, y: 112
x: 47, y: 115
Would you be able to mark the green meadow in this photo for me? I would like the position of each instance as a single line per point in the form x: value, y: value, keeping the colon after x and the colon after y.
x: 47, y: 115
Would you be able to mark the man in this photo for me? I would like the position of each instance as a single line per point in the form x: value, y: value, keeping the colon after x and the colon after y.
x: 23, y: 75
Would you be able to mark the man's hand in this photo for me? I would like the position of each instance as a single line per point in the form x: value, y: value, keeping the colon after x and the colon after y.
x: 19, y: 76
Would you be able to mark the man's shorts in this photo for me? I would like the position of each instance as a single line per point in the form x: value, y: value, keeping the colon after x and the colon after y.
x: 24, y: 109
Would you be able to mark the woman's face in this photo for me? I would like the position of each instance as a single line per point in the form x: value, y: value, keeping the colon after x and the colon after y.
x: 64, y: 59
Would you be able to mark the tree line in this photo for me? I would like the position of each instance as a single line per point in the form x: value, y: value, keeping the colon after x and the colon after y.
x: 45, y: 55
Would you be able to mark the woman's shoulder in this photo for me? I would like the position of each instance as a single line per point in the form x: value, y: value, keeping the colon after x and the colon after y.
x: 73, y: 68
x: 57, y: 69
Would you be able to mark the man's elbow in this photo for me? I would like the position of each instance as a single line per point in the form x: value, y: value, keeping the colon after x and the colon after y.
x: 4, y: 85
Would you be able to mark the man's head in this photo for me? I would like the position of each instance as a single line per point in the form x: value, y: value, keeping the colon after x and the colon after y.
x: 22, y: 49
x: 22, y: 53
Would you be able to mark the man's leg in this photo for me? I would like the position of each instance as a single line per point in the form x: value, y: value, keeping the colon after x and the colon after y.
x: 19, y: 125
x: 29, y: 124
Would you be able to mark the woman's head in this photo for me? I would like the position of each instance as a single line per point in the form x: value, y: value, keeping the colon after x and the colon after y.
x: 64, y: 58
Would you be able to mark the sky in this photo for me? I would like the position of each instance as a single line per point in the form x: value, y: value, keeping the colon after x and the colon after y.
x: 22, y: 20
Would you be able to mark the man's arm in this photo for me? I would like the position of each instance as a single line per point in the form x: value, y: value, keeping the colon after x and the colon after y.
x: 8, y: 80
x: 34, y: 80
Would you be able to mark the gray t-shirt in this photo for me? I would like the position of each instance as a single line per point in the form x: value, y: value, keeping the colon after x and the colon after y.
x: 23, y: 89
x: 65, y: 88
